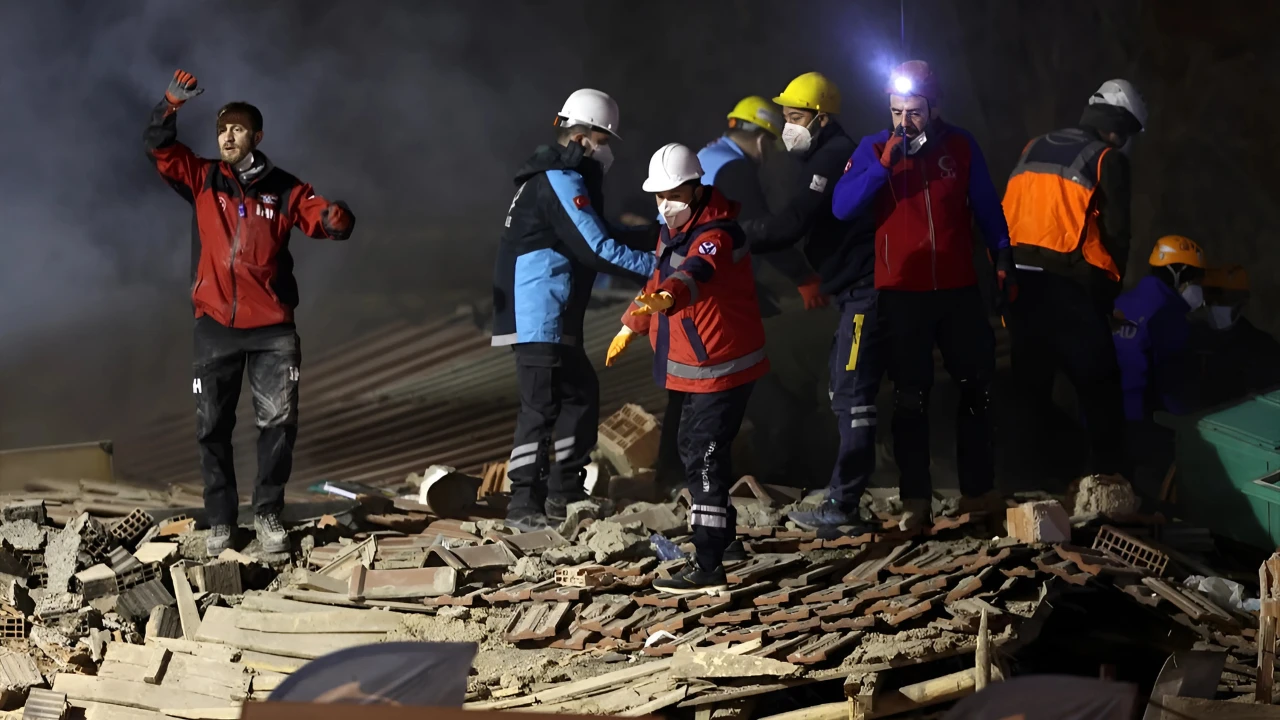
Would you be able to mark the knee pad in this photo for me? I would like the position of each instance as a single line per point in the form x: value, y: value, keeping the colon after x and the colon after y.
x: 975, y: 396
x: 910, y: 401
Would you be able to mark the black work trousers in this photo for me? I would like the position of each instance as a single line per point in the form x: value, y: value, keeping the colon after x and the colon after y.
x: 955, y: 321
x: 556, y: 428
x: 708, y: 424
x: 1056, y: 325
x: 273, y: 356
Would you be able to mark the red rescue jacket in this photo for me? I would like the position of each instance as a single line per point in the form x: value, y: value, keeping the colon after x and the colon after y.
x: 242, y: 272
x: 711, y: 339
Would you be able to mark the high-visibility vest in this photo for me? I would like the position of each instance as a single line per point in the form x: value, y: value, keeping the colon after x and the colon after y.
x: 1050, y: 200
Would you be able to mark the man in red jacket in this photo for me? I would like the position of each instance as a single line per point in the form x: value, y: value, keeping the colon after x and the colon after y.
x: 244, y: 294
x: 927, y: 183
x: 708, y: 344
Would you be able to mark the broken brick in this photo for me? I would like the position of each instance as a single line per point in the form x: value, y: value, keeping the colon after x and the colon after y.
x: 823, y: 647
x: 1039, y: 522
x: 848, y: 623
x: 729, y: 617
x: 782, y: 596
x: 538, y: 621
x: 791, y: 628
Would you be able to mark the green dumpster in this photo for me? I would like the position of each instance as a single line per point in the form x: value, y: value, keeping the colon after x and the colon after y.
x: 1228, y: 475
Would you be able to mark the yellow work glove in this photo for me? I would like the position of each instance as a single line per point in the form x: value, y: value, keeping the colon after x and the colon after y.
x: 618, y: 344
x: 653, y: 303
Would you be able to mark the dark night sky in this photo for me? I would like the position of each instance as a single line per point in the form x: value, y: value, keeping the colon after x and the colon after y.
x: 418, y: 113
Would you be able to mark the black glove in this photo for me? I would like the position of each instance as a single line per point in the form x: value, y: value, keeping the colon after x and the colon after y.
x: 182, y: 88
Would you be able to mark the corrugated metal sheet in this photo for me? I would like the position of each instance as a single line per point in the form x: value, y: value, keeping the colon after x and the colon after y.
x: 394, y: 402
x: 401, y: 398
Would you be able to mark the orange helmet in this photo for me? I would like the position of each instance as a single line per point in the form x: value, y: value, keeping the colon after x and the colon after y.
x: 1232, y: 278
x: 1176, y: 250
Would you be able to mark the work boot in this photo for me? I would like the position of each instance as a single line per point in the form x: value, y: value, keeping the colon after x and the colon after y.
x: 830, y: 516
x: 219, y: 539
x: 915, y: 514
x: 271, y: 533
x: 526, y: 520
x: 736, y: 552
x: 692, y: 579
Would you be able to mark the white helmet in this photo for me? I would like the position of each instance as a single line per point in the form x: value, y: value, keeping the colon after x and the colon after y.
x: 672, y: 166
x: 1120, y: 93
x: 591, y: 107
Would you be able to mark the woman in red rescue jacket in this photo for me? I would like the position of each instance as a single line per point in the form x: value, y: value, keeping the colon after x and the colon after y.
x: 700, y: 312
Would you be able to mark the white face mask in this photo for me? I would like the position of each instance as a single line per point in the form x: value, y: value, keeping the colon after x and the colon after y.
x: 1222, y: 317
x: 917, y: 142
x: 675, y: 214
x: 796, y: 137
x: 1193, y: 295
x: 602, y: 154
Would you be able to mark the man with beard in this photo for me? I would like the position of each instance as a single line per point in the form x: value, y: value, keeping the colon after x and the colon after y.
x: 244, y: 294
x: 927, y: 183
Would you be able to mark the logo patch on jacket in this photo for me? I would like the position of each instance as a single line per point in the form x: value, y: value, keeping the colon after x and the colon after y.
x: 268, y: 199
x: 707, y: 248
x: 818, y: 184
x: 848, y: 165
x: 581, y: 201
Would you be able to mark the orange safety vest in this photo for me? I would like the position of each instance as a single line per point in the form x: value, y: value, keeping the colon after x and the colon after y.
x: 1049, y: 202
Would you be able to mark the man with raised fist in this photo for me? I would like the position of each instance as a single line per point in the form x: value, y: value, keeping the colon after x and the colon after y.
x: 243, y: 293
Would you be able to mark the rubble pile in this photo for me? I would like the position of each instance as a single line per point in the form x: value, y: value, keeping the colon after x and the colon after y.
x: 125, y: 616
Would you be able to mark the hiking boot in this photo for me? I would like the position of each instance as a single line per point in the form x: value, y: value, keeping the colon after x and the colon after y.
x: 915, y: 514
x: 271, y: 534
x: 830, y: 515
x: 692, y: 579
x: 736, y: 552
x: 219, y: 539
x: 526, y: 520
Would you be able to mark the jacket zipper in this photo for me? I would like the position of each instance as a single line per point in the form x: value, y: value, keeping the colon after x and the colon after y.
x: 886, y: 252
x: 235, y: 248
x: 933, y: 244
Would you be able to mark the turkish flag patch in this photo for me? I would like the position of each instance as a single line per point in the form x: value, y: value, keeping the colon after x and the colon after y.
x: 707, y: 248
x: 581, y: 201
x: 848, y: 165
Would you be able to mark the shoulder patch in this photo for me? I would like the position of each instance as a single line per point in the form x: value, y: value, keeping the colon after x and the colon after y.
x: 581, y: 201
x: 818, y: 184
x: 707, y: 248
x: 849, y: 165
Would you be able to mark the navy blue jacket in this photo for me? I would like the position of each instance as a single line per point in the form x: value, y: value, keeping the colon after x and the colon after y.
x: 840, y: 250
x: 554, y: 244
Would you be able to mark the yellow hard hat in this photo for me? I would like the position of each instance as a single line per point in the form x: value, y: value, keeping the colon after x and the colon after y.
x: 811, y: 91
x: 1176, y: 250
x: 757, y: 111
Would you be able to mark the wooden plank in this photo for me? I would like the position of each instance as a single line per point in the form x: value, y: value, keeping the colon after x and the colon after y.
x: 188, y: 613
x: 105, y: 711
x: 259, y: 661
x: 129, y: 694
x: 208, y: 651
x: 366, y: 621
x: 219, y: 626
x: 343, y: 601
x: 125, y: 658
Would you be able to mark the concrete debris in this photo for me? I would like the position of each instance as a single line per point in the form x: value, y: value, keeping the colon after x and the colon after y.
x: 532, y: 569
x: 1112, y: 496
x: 610, y: 540
x: 572, y: 555
x: 111, y: 614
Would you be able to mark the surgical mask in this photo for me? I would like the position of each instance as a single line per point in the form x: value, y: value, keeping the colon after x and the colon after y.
x: 796, y: 137
x: 1193, y: 295
x: 917, y: 142
x: 602, y: 154
x: 1222, y: 317
x: 675, y: 214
